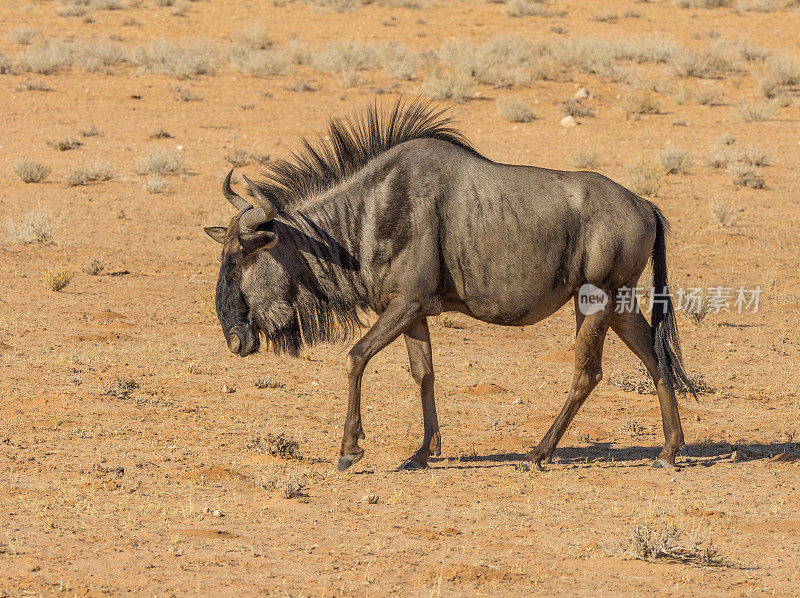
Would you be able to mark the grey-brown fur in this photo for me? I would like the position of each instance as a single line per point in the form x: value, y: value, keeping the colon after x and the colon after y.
x: 397, y: 214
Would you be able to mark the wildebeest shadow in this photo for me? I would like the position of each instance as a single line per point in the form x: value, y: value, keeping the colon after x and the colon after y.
x: 696, y: 455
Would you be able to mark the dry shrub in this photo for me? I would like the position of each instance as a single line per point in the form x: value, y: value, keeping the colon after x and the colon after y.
x: 64, y: 145
x: 258, y: 63
x: 154, y: 184
x: 675, y: 161
x: 724, y: 213
x: 37, y: 226
x: 705, y: 95
x: 344, y: 56
x: 262, y: 383
x: 505, y: 59
x: 400, y: 62
x: 182, y: 59
x: 651, y: 541
x: 644, y: 176
x: 91, y: 131
x: 574, y: 108
x: 583, y: 159
x: 97, y: 171
x: 447, y: 86
x: 56, y: 280
x: 29, y: 170
x: 709, y: 62
x: 22, y: 36
x: 640, y: 101
x: 776, y: 75
x: 514, y: 110
x: 158, y: 162
x: 744, y: 174
x: 757, y: 112
x: 531, y: 8
x: 701, y: 3
x: 93, y: 267
x: 34, y: 86
x: 47, y: 57
x: 336, y: 5
x: 207, y: 303
x: 239, y: 158
x: 254, y: 35
x: 279, y: 445
x: 753, y: 155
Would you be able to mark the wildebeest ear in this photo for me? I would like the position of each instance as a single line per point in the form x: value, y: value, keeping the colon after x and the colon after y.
x: 216, y: 232
x: 258, y: 240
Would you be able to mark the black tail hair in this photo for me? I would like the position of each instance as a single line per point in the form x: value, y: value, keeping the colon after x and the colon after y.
x: 665, y: 331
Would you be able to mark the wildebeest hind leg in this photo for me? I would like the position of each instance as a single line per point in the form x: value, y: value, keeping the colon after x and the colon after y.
x: 636, y: 333
x: 397, y: 317
x: 418, y: 343
x: 588, y: 372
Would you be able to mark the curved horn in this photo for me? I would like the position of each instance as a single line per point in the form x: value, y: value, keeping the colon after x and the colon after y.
x: 237, y: 200
x: 266, y: 205
x: 251, y: 219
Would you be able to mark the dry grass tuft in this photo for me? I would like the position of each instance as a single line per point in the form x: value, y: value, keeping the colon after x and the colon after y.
x: 29, y: 170
x: 649, y: 542
x: 675, y: 161
x: 574, y: 108
x: 514, y: 110
x: 37, y: 226
x: 345, y: 56
x: 64, y: 145
x: 93, y: 267
x: 154, y: 184
x: 56, y: 280
x: 640, y: 101
x: 757, y: 112
x: 158, y: 162
x: 97, y: 171
x: 644, y: 176
x: 531, y: 8
x: 254, y: 35
x: 447, y: 86
x: 279, y: 445
x: 259, y: 63
x: 22, y: 36
x: 181, y: 59
x: 744, y: 174
x: 583, y: 159
x: 724, y: 213
x: 776, y: 75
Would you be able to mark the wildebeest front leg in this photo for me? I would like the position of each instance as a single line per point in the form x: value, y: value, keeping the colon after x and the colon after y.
x: 397, y: 317
x: 418, y: 343
x: 588, y: 373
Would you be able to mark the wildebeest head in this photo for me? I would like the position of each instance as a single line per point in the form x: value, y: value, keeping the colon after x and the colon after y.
x: 250, y: 232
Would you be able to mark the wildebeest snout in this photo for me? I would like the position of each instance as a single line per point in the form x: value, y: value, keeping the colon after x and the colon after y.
x: 242, y: 341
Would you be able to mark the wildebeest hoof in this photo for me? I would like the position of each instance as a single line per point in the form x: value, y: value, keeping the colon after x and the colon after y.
x: 663, y: 464
x: 345, y: 461
x: 411, y: 465
x: 537, y: 458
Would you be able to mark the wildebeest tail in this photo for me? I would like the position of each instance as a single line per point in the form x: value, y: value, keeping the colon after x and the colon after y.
x: 665, y: 331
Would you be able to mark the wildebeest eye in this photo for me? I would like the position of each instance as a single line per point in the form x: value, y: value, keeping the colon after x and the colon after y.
x: 258, y: 240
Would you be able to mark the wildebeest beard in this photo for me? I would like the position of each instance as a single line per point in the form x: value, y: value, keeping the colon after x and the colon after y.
x: 314, y: 319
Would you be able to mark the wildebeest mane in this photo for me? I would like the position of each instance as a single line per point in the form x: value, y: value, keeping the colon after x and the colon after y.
x: 351, y: 142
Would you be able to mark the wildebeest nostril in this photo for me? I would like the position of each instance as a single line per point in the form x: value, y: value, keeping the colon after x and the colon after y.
x: 235, y: 344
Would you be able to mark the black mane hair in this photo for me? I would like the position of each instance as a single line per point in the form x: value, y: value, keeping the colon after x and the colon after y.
x: 351, y: 143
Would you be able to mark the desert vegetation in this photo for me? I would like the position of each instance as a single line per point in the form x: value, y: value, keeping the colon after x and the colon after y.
x: 135, y: 442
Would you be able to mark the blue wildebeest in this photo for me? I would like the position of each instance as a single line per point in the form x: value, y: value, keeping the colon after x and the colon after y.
x: 397, y: 213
